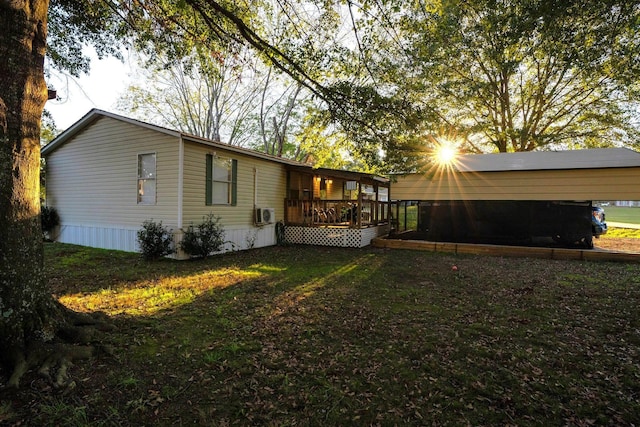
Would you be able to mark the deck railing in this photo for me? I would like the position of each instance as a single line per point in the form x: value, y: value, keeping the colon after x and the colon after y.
x: 318, y: 213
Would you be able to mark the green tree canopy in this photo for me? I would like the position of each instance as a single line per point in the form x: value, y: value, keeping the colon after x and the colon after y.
x: 511, y: 75
x: 398, y: 78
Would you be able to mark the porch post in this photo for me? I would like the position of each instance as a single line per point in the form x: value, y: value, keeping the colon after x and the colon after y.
x: 376, y: 216
x: 359, y: 210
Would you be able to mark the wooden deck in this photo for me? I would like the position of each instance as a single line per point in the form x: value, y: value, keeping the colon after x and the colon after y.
x: 344, y: 213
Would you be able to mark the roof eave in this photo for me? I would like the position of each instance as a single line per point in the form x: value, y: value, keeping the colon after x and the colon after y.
x: 238, y: 150
x: 341, y: 173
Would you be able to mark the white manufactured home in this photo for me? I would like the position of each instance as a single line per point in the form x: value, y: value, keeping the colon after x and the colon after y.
x: 107, y: 174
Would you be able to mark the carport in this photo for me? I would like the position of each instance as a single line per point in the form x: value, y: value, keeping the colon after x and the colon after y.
x: 555, y: 185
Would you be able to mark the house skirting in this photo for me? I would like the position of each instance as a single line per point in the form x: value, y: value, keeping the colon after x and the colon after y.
x: 334, y: 236
x: 125, y: 239
x: 122, y: 239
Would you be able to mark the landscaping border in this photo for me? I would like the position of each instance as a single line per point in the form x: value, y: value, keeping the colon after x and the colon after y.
x: 507, y: 251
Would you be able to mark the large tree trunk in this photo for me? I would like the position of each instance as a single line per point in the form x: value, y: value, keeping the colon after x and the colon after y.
x: 26, y: 306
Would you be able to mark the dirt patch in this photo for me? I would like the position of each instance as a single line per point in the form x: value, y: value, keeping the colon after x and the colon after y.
x: 618, y: 244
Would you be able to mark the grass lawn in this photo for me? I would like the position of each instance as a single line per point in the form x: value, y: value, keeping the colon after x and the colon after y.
x: 630, y: 215
x: 326, y: 336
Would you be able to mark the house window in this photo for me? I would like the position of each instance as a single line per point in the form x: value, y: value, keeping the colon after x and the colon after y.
x: 147, y: 179
x: 221, y: 185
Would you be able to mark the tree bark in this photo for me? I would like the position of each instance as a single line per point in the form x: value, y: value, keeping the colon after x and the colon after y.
x: 26, y: 305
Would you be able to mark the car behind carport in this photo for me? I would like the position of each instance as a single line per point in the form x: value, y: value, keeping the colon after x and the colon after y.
x: 598, y: 224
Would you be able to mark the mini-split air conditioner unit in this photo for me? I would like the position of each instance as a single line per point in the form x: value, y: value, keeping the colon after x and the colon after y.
x: 265, y: 215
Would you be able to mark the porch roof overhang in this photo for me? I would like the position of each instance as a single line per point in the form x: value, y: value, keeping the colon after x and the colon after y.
x: 342, y: 174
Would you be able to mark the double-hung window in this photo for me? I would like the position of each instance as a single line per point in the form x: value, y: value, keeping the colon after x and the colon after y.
x: 221, y: 186
x: 147, y: 179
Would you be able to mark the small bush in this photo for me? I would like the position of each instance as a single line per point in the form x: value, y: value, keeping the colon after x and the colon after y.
x: 49, y: 218
x: 204, y: 239
x: 155, y: 240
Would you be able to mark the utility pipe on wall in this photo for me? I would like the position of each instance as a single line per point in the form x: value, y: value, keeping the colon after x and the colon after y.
x: 255, y: 187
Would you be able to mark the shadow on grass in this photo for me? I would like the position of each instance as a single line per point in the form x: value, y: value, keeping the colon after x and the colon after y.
x: 327, y: 336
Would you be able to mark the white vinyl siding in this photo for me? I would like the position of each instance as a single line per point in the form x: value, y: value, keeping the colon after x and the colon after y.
x: 270, y: 178
x: 92, y: 178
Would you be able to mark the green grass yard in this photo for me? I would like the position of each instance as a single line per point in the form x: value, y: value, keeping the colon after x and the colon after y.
x: 630, y: 215
x: 326, y: 336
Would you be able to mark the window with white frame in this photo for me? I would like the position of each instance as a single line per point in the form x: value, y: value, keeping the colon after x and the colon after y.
x: 221, y: 180
x: 147, y: 179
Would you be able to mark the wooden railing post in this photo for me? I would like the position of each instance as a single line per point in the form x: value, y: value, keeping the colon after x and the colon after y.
x: 336, y: 212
